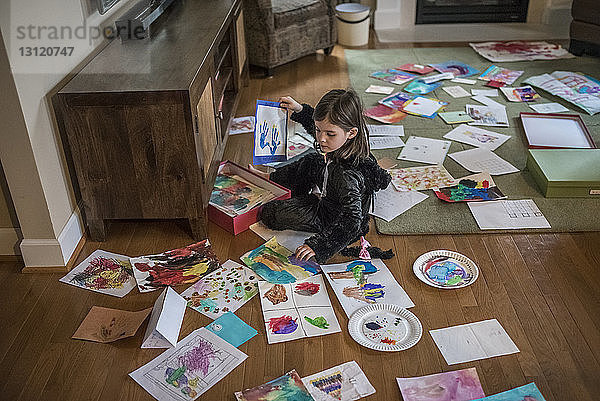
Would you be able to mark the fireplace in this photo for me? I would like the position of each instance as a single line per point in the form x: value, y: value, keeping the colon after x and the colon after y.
x: 461, y: 11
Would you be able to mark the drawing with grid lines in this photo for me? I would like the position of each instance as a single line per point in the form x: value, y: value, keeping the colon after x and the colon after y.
x: 508, y: 214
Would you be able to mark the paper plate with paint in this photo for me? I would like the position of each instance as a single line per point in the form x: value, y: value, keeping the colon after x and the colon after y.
x: 385, y: 327
x: 445, y: 269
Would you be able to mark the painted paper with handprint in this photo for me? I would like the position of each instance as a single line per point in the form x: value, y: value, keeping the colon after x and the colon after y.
x: 270, y: 133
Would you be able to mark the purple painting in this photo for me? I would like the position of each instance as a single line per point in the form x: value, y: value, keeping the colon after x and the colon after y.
x: 458, y: 385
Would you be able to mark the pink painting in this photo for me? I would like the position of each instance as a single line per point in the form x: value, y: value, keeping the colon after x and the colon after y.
x: 458, y: 385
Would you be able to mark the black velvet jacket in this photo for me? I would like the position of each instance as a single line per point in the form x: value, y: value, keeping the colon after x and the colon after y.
x: 348, y: 196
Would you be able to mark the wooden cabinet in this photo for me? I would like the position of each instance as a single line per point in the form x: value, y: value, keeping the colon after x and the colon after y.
x: 145, y: 143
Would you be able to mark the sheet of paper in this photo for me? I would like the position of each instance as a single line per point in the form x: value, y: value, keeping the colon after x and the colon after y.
x: 464, y: 81
x: 187, y: 371
x: 519, y: 51
x: 297, y: 310
x: 421, y: 178
x: 385, y: 130
x: 175, y: 267
x: 361, y: 283
x: 473, y: 341
x: 105, y: 325
x: 508, y: 215
x: 165, y: 321
x: 232, y: 329
x: 270, y: 133
x: 487, y: 101
x: 287, y: 238
x: 104, y: 272
x: 288, y: 387
x: 551, y: 84
x: 477, y: 137
x: 456, y: 91
x: 528, y: 392
x: 382, y: 90
x: 224, y: 290
x: 385, y: 142
x: 390, y: 203
x: 438, y: 77
x: 548, y: 108
x: 241, y: 125
x: 386, y: 163
x: 345, y: 382
x: 424, y: 150
x: 486, y: 115
x: 484, y: 92
x: 480, y: 159
x: 456, y: 385
x: 423, y: 106
x: 456, y: 117
x: 457, y: 68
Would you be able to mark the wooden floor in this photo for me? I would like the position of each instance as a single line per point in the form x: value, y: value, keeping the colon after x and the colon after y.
x: 544, y: 290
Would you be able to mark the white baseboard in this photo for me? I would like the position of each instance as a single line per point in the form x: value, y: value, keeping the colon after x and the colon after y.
x: 71, y: 234
x: 9, y: 241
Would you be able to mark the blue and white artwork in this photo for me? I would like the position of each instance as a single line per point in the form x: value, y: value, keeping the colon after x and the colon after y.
x: 270, y: 133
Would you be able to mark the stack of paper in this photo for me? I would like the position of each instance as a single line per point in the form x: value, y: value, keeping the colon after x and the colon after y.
x: 234, y: 196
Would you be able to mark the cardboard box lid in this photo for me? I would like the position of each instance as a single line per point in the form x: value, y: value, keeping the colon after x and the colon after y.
x: 568, y: 167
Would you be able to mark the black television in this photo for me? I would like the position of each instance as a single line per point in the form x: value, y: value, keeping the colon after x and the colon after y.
x: 105, y: 5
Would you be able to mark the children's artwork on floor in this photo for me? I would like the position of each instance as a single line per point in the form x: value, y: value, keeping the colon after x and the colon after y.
x: 520, y: 94
x: 498, y: 52
x: 105, y: 325
x: 178, y: 266
x: 277, y: 264
x: 362, y: 282
x: 478, y: 160
x: 421, y: 178
x: 456, y: 117
x: 297, y: 310
x: 105, y: 272
x: 424, y: 106
x: 382, y: 90
x: 486, y: 115
x: 421, y: 88
x: 456, y: 91
x: 488, y: 101
x: 528, y: 392
x: 241, y: 125
x: 418, y: 68
x: 424, y: 150
x: 484, y: 92
x: 586, y: 101
x: 298, y: 144
x: 473, y: 341
x: 270, y: 133
x: 289, y: 239
x: 464, y: 81
x: 187, y: 371
x: 385, y: 114
x: 390, y: 203
x: 224, y: 290
x: 396, y: 100
x: 455, y: 67
x: 288, y: 387
x: 234, y: 196
x: 385, y: 142
x: 165, y: 320
x: 476, y: 187
x: 232, y: 329
x: 438, y: 77
x: 345, y: 382
x: 508, y: 215
x: 578, y: 83
x: 393, y: 76
x: 477, y: 137
x: 457, y: 385
x: 385, y: 130
x: 545, y: 108
x: 499, y: 74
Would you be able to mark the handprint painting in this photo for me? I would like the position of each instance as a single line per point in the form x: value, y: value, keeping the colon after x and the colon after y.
x: 270, y: 133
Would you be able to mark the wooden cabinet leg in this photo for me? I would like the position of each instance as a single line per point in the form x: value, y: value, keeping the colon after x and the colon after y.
x: 97, y: 229
x: 199, y: 228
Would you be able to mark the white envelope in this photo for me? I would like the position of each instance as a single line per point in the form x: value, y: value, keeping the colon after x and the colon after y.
x: 165, y: 320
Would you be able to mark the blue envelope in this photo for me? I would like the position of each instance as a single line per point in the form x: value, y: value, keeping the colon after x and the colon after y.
x: 232, y: 329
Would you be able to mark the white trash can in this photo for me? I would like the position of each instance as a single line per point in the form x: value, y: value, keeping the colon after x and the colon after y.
x: 353, y: 24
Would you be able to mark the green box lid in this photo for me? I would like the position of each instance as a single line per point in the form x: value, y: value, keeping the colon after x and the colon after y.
x: 568, y: 166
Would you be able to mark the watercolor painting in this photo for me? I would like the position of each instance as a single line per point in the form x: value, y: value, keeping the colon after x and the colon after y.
x: 297, y: 310
x: 270, y: 133
x: 276, y: 264
x: 421, y: 178
x: 447, y: 386
x: 528, y: 392
x: 478, y: 187
x: 360, y: 283
x: 393, y: 76
x: 499, y: 74
x: 345, y: 382
x: 234, y: 195
x: 105, y: 272
x: 421, y: 88
x: 184, y: 373
x: 396, y: 100
x: 224, y: 290
x: 178, y: 266
x: 385, y: 114
x: 457, y: 68
x: 240, y: 125
x: 498, y: 52
x: 446, y: 271
x: 285, y: 388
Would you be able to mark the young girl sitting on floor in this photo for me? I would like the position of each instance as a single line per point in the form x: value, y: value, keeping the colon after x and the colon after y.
x: 332, y: 192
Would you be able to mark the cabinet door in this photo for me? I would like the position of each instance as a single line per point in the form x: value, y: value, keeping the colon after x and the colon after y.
x: 206, y: 129
x: 241, y: 41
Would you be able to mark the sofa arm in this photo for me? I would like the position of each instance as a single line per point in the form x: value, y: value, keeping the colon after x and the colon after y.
x: 258, y: 15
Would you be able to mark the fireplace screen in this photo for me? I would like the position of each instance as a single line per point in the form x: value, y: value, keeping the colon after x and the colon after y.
x: 457, y: 11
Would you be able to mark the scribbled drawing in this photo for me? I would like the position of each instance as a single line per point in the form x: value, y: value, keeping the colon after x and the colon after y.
x: 103, y: 273
x: 276, y: 294
x: 319, y: 322
x: 445, y: 271
x: 286, y: 387
x: 283, y: 325
x: 330, y: 384
x: 307, y: 288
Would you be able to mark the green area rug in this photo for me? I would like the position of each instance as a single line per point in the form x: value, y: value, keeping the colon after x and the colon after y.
x: 434, y: 216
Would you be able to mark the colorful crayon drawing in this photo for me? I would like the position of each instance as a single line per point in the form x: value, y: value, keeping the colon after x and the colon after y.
x: 104, y: 272
x: 270, y: 133
x: 285, y: 388
x: 330, y: 384
x: 276, y: 264
x: 469, y: 190
x: 446, y: 272
x: 175, y: 267
x: 528, y: 392
x: 307, y: 288
x: 318, y: 321
x: 224, y: 290
x: 447, y: 386
x: 455, y: 67
x: 345, y: 382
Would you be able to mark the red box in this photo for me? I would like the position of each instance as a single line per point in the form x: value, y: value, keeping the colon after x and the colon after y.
x: 240, y: 223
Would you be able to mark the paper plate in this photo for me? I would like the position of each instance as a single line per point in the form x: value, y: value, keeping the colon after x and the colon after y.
x: 385, y: 327
x: 445, y: 269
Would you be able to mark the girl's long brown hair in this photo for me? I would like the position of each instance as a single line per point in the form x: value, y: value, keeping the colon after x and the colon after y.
x: 344, y: 109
